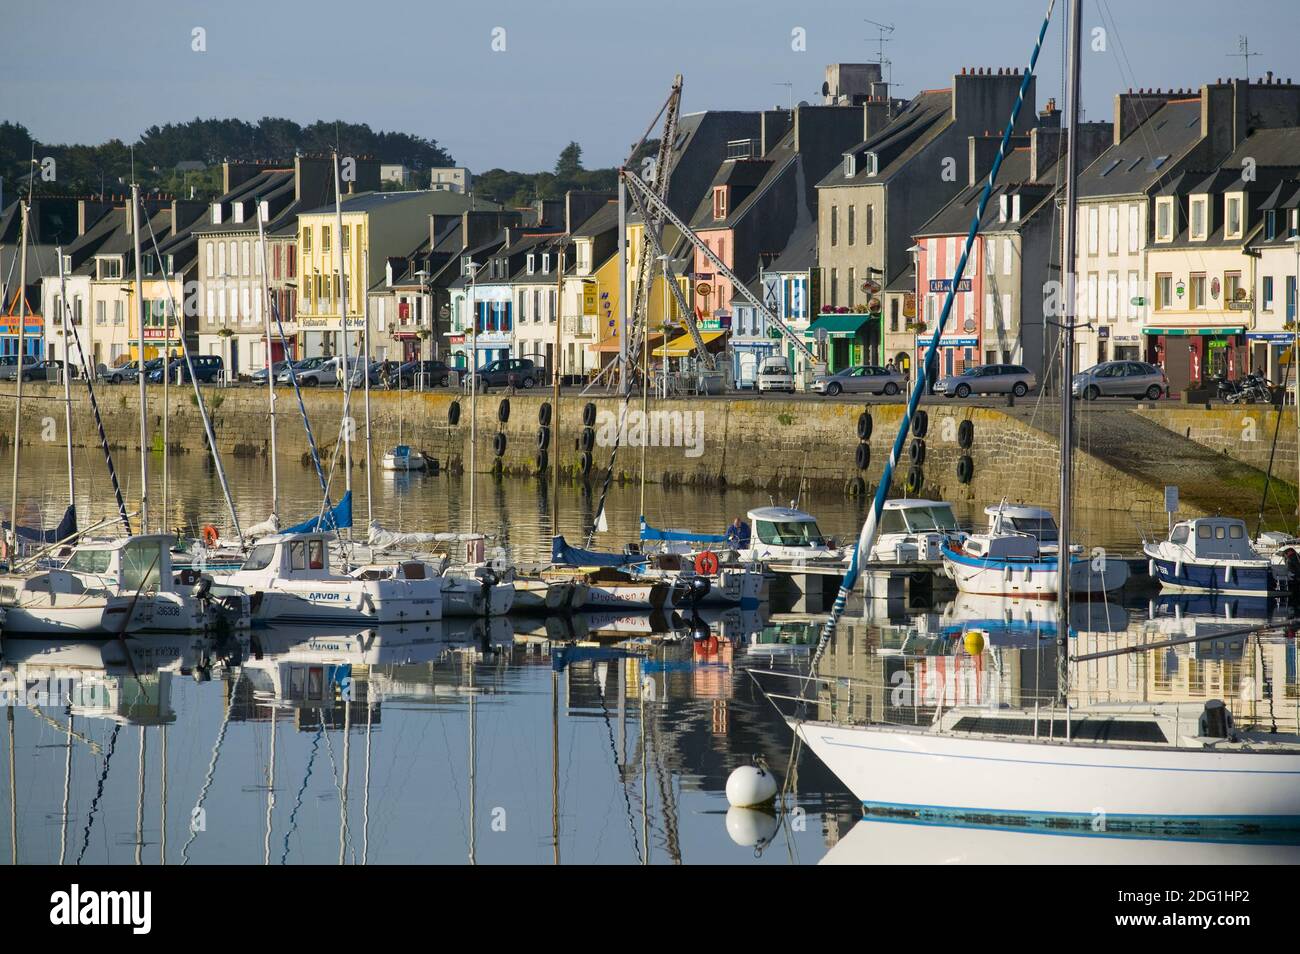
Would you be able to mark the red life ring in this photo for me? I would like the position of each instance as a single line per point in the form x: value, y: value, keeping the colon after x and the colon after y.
x: 706, y: 563
x: 210, y: 535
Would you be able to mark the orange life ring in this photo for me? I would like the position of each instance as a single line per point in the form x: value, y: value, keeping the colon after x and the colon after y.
x: 706, y: 563
x: 210, y: 535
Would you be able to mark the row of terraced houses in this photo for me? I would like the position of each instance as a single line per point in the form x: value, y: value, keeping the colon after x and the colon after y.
x: 846, y: 218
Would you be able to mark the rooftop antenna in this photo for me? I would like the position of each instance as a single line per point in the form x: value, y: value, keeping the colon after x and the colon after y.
x: 882, y: 31
x: 789, y: 88
x: 1243, y: 46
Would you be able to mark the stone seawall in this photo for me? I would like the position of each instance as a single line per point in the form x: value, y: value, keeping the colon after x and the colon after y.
x: 1242, y: 432
x: 763, y: 444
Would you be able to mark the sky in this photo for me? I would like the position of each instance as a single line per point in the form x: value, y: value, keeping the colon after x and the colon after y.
x: 594, y: 71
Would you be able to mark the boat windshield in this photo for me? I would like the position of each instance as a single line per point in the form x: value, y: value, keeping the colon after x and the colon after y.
x: 141, y: 564
x: 260, y: 557
x: 89, y: 561
x: 1043, y: 528
x: 928, y: 519
x: 794, y: 533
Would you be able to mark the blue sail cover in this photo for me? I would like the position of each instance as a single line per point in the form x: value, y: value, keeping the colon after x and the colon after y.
x: 564, y: 555
x: 66, y: 528
x: 338, y: 517
x: 683, y: 536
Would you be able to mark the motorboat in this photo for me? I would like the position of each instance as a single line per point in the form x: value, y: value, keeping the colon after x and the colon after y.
x: 288, y: 578
x: 914, y: 531
x: 403, y: 458
x: 787, y: 534
x: 1214, y: 555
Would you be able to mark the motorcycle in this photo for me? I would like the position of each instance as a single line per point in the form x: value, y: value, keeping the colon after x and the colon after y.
x: 1251, y: 389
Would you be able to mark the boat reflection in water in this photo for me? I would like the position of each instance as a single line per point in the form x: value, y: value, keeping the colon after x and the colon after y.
x: 872, y: 842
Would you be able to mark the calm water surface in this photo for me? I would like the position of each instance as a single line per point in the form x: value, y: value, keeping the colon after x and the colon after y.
x: 466, y: 741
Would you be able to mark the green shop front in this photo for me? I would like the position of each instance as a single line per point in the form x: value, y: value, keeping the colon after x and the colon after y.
x: 1193, y: 356
x: 850, y: 339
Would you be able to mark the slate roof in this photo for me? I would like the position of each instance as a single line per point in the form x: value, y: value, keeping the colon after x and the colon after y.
x: 1130, y: 167
x: 923, y: 119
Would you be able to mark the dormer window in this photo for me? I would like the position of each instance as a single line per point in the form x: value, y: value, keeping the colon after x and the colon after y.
x: 238, y: 209
x: 109, y: 269
x: 1270, y: 225
x: 850, y: 165
x: 1295, y: 223
x: 1165, y: 219
x: 1002, y: 207
x: 546, y: 263
x: 1199, y: 228
x: 1232, y: 216
x: 871, y: 164
x: 216, y: 213
x: 720, y: 202
x: 264, y: 208
x: 1015, y: 207
x: 532, y: 263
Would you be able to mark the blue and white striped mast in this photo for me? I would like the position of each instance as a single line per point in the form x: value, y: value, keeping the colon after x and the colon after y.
x: 869, y: 529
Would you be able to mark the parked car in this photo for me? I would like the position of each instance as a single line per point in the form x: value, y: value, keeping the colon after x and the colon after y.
x: 437, y: 374
x: 524, y: 371
x: 118, y: 375
x: 259, y: 376
x: 1135, y: 379
x: 313, y: 372
x: 378, y: 371
x: 989, y: 379
x: 860, y: 378
x: 774, y: 374
x: 207, y: 367
x: 34, y: 369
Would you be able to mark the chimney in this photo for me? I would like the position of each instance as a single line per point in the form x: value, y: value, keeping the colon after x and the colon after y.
x: 1050, y: 115
x: 1133, y: 109
x: 775, y: 123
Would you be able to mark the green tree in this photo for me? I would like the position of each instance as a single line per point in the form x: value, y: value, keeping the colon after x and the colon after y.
x: 569, y: 165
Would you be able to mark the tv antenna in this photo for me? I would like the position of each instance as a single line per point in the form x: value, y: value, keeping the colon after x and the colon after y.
x: 1243, y: 47
x: 882, y: 37
x: 789, y: 88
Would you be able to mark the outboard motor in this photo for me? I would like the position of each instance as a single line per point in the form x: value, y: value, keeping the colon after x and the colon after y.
x: 698, y: 588
x: 1216, y: 721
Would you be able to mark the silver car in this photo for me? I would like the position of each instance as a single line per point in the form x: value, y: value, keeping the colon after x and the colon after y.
x: 1135, y: 379
x: 989, y: 379
x: 860, y: 378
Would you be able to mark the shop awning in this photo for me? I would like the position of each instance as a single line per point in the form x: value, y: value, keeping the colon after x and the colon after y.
x: 1235, y: 330
x: 838, y: 326
x: 683, y: 345
x: 610, y: 345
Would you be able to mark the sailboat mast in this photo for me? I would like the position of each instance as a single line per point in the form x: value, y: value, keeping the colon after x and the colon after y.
x: 556, y: 367
x: 166, y: 397
x: 1067, y: 327
x: 139, y: 310
x: 67, y: 375
x: 346, y: 378
x: 270, y: 365
x: 18, y: 381
x: 473, y: 391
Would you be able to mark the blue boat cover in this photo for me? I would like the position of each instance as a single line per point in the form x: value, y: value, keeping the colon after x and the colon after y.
x: 564, y: 555
x: 66, y: 528
x: 338, y: 517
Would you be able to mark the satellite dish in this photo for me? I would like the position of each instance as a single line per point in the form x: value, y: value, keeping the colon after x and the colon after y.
x: 826, y: 89
x: 803, y: 103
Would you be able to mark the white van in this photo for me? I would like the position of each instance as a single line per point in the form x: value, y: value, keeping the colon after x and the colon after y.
x: 774, y: 374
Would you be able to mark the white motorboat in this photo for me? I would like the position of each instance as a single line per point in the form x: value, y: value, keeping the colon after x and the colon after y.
x: 475, y: 591
x: 403, y: 458
x: 780, y: 534
x: 289, y: 579
x: 117, y: 586
x: 1013, y: 563
x: 1214, y: 555
x: 914, y: 531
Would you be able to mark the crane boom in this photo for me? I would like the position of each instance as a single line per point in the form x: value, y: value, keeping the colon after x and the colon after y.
x: 646, y: 196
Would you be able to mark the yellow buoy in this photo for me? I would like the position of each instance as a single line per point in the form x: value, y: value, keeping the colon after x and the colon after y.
x: 974, y: 642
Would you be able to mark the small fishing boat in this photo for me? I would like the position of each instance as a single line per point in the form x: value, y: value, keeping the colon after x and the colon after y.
x: 608, y: 580
x: 786, y: 533
x: 475, y: 590
x: 914, y: 531
x: 705, y: 564
x: 1214, y: 555
x: 402, y: 458
x: 1014, y: 564
x: 535, y: 595
x: 288, y: 579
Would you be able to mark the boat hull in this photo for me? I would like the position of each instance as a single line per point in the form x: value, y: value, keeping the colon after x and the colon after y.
x: 927, y: 775
x: 1254, y: 579
x: 366, y: 602
x: 1029, y: 579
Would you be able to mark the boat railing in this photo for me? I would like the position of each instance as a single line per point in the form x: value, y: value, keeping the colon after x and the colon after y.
x: 899, y: 694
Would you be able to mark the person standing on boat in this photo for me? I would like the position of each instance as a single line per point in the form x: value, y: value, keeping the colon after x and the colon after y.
x: 738, y: 535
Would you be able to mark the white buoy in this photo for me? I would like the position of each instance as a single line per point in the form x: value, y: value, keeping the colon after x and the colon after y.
x: 751, y: 827
x: 750, y: 785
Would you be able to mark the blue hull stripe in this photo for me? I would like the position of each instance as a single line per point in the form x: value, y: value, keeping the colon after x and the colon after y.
x: 1211, y: 577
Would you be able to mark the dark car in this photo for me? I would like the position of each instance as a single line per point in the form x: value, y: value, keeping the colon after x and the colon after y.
x: 33, y: 369
x: 207, y: 367
x: 435, y: 374
x: 521, y: 372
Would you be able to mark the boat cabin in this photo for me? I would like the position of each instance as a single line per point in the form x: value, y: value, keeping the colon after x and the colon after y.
x: 299, y: 556
x: 132, y: 564
x: 786, y: 532
x: 1018, y: 518
x: 917, y: 516
x: 1213, y: 538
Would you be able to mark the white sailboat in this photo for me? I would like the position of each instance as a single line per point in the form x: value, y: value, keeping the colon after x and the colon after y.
x: 1169, y: 768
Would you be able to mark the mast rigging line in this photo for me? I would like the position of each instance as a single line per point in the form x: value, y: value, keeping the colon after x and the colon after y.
x: 869, y: 528
x: 194, y: 381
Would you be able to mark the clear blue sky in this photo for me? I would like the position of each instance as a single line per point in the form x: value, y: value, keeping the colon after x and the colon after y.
x: 590, y: 70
